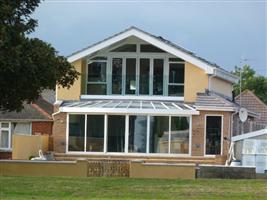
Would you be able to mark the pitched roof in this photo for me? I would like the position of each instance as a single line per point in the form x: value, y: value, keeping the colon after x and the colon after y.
x: 250, y: 101
x: 217, y: 101
x: 168, y: 46
x: 30, y: 112
x: 41, y: 109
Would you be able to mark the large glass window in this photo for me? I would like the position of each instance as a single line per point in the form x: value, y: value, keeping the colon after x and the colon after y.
x: 125, y: 48
x: 158, y: 77
x: 150, y: 48
x: 5, y: 135
x: 96, y: 78
x: 137, y: 134
x: 167, y: 134
x: 130, y: 76
x: 76, y: 132
x: 116, y: 133
x: 95, y: 133
x: 213, y: 135
x: 176, y: 79
x: 159, y: 134
x: 179, y: 139
x: 116, y: 75
x: 144, y: 76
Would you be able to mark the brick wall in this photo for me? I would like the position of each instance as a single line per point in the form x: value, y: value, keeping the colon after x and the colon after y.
x: 59, y: 133
x: 198, y: 128
x: 5, y: 155
x: 42, y: 128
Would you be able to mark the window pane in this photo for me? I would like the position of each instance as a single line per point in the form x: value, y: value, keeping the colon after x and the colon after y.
x: 213, y: 134
x: 137, y: 134
x: 176, y: 73
x: 125, y: 48
x: 159, y: 134
x: 96, y: 89
x: 150, y: 48
x: 116, y: 133
x: 130, y: 76
x: 22, y: 128
x: 4, y: 141
x: 176, y: 60
x: 144, y: 76
x: 116, y: 76
x: 4, y: 125
x: 97, y: 72
x: 76, y: 132
x: 95, y: 133
x: 176, y: 90
x: 179, y: 135
x: 158, y: 77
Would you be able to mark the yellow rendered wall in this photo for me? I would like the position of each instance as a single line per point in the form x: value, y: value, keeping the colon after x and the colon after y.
x: 221, y: 86
x: 43, y: 168
x: 166, y: 171
x: 24, y: 146
x: 196, y: 80
x: 74, y: 92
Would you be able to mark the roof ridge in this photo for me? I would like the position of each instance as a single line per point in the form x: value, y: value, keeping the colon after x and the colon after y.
x: 41, y: 110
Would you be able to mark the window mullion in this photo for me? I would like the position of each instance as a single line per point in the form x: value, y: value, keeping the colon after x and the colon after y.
x: 151, y: 69
x: 148, y: 134
x: 169, y: 149
x: 126, y: 133
x: 85, y: 132
x: 105, y: 133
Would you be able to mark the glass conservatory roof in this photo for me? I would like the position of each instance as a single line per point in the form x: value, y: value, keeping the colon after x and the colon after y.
x: 129, y: 107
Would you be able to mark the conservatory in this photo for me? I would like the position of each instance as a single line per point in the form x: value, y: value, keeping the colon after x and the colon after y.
x: 128, y: 127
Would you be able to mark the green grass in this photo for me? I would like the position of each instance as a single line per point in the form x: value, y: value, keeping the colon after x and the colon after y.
x: 124, y: 188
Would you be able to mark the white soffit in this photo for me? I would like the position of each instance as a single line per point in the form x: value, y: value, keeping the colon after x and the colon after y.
x: 209, y: 69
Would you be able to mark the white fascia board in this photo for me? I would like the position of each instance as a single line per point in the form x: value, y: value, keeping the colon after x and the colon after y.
x: 100, y: 46
x: 132, y: 97
x: 128, y: 111
x: 249, y: 135
x: 226, y: 75
x: 133, y: 32
x: 215, y: 108
x: 172, y: 50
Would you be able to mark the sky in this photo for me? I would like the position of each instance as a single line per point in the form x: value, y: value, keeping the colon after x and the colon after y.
x: 229, y: 33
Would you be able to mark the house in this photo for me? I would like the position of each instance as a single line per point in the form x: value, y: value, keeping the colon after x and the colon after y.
x: 250, y: 101
x: 142, y: 96
x: 33, y: 119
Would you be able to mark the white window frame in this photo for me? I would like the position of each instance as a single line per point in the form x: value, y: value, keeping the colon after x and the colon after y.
x: 137, y: 55
x: 126, y: 153
x: 9, y: 135
x: 96, y: 82
x: 205, y: 133
x: 168, y: 72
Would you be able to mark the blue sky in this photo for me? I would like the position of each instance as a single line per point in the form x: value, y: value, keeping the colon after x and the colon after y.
x: 225, y: 32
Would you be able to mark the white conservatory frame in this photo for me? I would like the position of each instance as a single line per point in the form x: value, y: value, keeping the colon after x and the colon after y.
x: 126, y: 153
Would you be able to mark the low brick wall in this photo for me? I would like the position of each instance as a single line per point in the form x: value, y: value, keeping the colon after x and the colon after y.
x: 225, y: 172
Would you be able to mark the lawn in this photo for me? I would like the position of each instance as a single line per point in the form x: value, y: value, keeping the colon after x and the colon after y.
x: 125, y: 188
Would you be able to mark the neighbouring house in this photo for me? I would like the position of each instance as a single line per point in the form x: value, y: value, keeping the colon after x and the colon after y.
x: 33, y: 119
x: 250, y: 101
x: 142, y: 96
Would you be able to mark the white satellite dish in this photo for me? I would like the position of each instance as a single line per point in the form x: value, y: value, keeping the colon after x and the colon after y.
x: 243, y: 114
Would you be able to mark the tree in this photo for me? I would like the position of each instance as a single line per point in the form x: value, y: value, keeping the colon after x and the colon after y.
x: 27, y: 65
x: 249, y: 80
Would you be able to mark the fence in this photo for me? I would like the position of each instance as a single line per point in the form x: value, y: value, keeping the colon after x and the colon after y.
x: 115, y: 168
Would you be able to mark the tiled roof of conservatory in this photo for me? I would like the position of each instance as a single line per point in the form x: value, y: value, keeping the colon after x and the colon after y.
x: 129, y: 107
